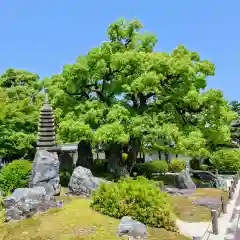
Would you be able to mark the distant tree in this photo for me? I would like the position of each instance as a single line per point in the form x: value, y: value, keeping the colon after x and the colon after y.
x: 19, y: 111
x: 235, y: 129
x: 235, y: 105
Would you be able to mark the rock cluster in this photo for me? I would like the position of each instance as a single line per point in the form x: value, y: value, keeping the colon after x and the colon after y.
x: 25, y: 202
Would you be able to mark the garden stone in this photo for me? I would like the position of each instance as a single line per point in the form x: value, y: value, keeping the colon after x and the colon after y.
x: 45, y: 172
x: 82, y: 182
x: 25, y: 202
x: 177, y: 191
x: 184, y: 181
x: 209, y: 202
x: 204, y: 175
x: 132, y: 228
x: 213, y: 180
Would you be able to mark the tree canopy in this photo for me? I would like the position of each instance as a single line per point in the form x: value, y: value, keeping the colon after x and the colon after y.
x: 124, y: 96
x: 19, y: 110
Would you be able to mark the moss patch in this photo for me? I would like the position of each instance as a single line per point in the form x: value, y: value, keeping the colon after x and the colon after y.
x: 74, y: 221
x: 187, y: 211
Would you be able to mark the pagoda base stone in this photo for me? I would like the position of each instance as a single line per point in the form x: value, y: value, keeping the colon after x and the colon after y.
x: 45, y: 172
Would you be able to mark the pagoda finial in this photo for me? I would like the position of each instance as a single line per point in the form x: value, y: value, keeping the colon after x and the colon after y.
x: 46, y: 96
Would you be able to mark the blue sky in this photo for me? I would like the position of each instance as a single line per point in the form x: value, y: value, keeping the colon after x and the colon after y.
x: 41, y: 36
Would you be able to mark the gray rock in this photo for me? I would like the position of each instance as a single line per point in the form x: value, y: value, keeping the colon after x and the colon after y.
x: 25, y: 202
x: 177, y: 191
x: 82, y: 182
x: 45, y: 172
x: 132, y: 228
x: 184, y: 181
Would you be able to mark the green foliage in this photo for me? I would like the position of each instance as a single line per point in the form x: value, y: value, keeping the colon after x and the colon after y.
x: 15, y: 175
x: 149, y: 168
x: 139, y: 198
x: 226, y: 160
x: 161, y: 99
x: 65, y: 176
x: 124, y: 156
x: 205, y: 167
x: 20, y: 100
x: 73, y: 131
x: 160, y: 166
x: 121, y: 93
x: 177, y: 165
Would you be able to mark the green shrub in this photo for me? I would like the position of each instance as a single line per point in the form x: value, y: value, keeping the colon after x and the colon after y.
x: 140, y: 198
x: 149, y: 168
x: 15, y: 175
x: 177, y: 165
x: 65, y: 176
x: 226, y: 160
x: 160, y: 166
x: 204, y: 167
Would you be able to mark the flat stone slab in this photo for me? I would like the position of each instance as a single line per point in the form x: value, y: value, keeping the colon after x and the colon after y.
x: 178, y: 191
x: 209, y: 202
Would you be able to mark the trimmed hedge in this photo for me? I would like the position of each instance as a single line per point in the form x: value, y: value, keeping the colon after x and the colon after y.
x: 177, y: 165
x: 149, y: 168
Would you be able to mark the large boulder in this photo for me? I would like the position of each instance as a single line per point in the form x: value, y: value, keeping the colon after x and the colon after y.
x: 184, y: 180
x: 132, y: 228
x: 25, y: 202
x: 45, y: 172
x: 82, y: 182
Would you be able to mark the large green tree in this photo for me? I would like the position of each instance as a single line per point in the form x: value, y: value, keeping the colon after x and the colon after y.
x: 19, y: 110
x: 125, y: 97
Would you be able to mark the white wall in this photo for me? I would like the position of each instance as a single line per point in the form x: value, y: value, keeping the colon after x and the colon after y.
x: 154, y: 156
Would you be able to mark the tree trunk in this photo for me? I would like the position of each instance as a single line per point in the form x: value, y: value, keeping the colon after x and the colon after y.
x: 85, y: 155
x: 133, y: 149
x: 115, y: 165
x: 167, y: 157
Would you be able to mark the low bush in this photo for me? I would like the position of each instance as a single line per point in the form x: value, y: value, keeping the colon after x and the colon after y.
x: 15, y: 175
x: 149, y: 168
x: 140, y: 198
x: 177, y: 165
x: 226, y: 160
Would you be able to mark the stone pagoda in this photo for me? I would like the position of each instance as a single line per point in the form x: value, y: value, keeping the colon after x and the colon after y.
x: 68, y: 153
x: 46, y: 128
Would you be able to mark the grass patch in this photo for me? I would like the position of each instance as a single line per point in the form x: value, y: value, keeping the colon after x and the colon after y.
x: 187, y: 211
x: 75, y: 221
